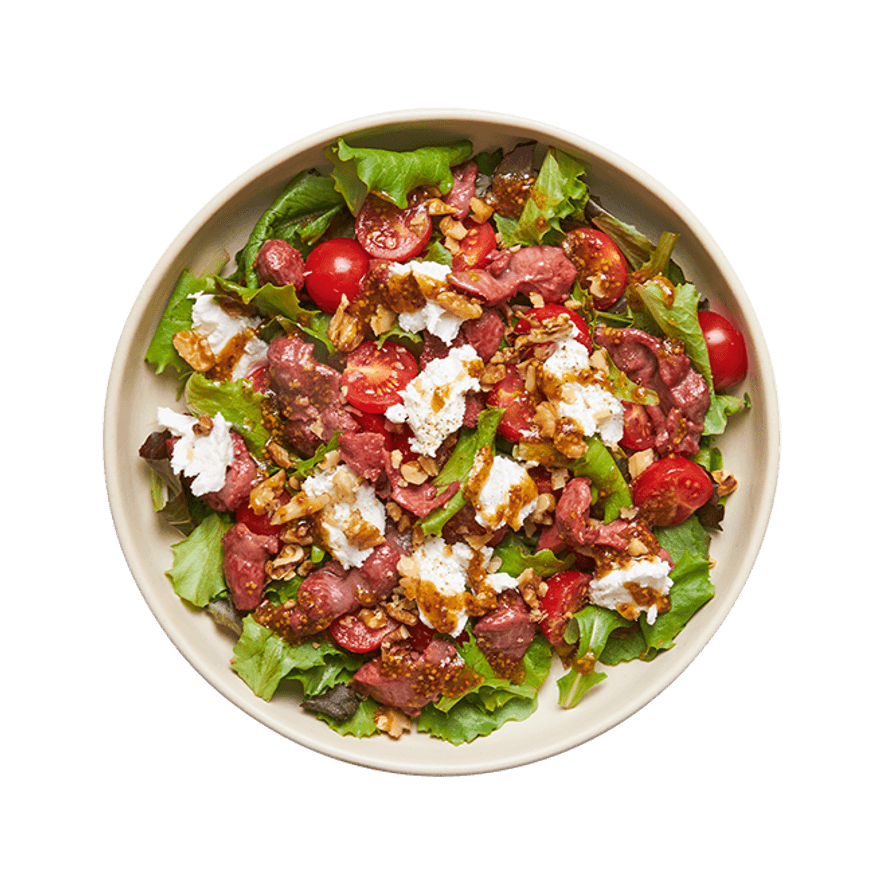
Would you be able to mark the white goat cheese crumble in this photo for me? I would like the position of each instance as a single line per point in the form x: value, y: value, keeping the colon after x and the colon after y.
x: 507, y: 494
x: 578, y: 397
x: 345, y: 511
x: 432, y: 316
x: 443, y: 581
x: 645, y: 573
x: 203, y: 457
x: 434, y: 401
x: 219, y: 328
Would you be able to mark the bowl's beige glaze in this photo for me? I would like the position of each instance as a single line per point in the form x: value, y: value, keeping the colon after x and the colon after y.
x: 751, y: 446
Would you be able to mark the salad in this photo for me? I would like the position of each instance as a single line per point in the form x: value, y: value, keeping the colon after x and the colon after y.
x: 441, y: 420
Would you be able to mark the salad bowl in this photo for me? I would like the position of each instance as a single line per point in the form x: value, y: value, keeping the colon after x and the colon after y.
x: 135, y: 392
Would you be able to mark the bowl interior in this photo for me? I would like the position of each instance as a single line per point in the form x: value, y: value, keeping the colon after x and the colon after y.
x: 750, y: 447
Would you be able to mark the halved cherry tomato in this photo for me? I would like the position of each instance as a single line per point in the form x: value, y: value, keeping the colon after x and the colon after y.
x: 728, y: 357
x: 351, y: 633
x: 259, y: 523
x: 518, y: 421
x: 601, y: 267
x: 475, y: 247
x: 391, y: 233
x: 637, y: 431
x: 545, y: 313
x: 375, y: 376
x: 335, y: 268
x: 671, y: 489
x: 566, y: 593
x: 258, y: 376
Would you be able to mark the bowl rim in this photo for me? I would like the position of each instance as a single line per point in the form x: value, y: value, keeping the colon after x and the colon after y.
x: 344, y: 749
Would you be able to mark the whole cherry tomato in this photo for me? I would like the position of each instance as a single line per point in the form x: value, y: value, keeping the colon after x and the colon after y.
x: 335, y: 268
x: 728, y: 357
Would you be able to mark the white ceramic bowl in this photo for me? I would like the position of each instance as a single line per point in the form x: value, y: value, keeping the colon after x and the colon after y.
x: 750, y: 446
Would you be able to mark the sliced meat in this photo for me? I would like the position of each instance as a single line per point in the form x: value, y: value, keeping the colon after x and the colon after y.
x: 663, y: 366
x: 484, y: 334
x: 323, y: 595
x: 408, y: 680
x: 573, y: 511
x: 364, y: 453
x: 378, y: 576
x: 464, y: 188
x: 244, y: 564
x: 309, y: 394
x: 507, y: 630
x: 280, y: 263
x: 241, y: 477
x: 539, y: 269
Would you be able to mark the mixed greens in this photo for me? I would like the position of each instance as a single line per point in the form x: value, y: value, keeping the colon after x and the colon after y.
x: 522, y: 219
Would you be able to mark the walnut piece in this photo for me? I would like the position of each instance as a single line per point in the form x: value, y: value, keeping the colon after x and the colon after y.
x: 194, y: 349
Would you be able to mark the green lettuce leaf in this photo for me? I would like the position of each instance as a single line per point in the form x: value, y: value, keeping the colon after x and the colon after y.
x: 469, y: 720
x: 300, y: 216
x: 361, y: 724
x: 459, y: 466
x: 239, y: 404
x: 609, y: 485
x: 262, y: 659
x: 359, y: 171
x: 284, y: 303
x: 197, y: 572
x: 516, y: 558
x: 559, y: 191
x: 176, y: 318
x: 574, y: 685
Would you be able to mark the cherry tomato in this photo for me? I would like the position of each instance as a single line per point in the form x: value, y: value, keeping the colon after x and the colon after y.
x: 601, y: 267
x: 637, y: 431
x: 259, y: 523
x: 671, y: 489
x: 728, y: 357
x: 545, y: 313
x: 518, y: 421
x: 475, y: 247
x: 566, y: 593
x: 258, y: 376
x: 351, y: 633
x: 391, y: 233
x: 374, y: 377
x: 335, y: 268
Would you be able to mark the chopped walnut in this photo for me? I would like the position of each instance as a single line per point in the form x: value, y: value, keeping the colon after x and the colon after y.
x: 412, y: 472
x: 373, y: 618
x: 453, y: 228
x: 345, y: 331
x: 279, y: 454
x: 203, y: 426
x: 298, y: 507
x: 382, y: 319
x: 638, y: 461
x: 460, y: 305
x: 480, y: 210
x: 545, y: 419
x: 283, y: 566
x: 725, y: 482
x: 265, y: 496
x: 194, y: 349
x: 391, y: 721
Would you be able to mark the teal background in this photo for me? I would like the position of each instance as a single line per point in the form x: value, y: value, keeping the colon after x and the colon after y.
x: 123, y: 122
